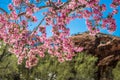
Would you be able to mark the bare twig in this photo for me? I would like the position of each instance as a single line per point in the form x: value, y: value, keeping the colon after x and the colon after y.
x: 39, y: 9
x: 36, y: 28
x: 3, y: 10
x: 66, y: 3
x: 79, y: 7
x: 47, y: 6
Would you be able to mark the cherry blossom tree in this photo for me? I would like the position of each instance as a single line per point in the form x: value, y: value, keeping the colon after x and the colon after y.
x: 22, y: 42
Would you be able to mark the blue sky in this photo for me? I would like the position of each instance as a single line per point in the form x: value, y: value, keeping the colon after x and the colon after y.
x: 77, y: 25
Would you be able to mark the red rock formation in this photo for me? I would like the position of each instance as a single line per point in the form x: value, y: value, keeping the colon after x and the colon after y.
x: 103, y: 46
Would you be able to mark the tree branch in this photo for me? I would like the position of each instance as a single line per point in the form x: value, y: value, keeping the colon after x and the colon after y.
x: 39, y: 9
x: 79, y: 7
x: 66, y: 3
x: 47, y: 6
x: 39, y: 23
x: 3, y: 10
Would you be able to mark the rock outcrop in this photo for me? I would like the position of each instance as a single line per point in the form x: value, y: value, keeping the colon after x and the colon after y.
x: 103, y: 46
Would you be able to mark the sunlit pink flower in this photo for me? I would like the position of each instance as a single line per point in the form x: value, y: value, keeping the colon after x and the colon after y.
x: 113, y: 6
x: 68, y: 57
x: 34, y: 19
x: 103, y: 7
x: 10, y: 6
x: 16, y: 2
x: 41, y: 54
x: 29, y: 12
x: 115, y: 11
x: 60, y: 59
x: 14, y: 15
x: 78, y: 49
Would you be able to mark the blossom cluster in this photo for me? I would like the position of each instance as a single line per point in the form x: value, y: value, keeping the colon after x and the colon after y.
x: 29, y: 46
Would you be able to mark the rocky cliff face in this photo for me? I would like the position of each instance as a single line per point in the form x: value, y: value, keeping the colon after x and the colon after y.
x: 103, y: 46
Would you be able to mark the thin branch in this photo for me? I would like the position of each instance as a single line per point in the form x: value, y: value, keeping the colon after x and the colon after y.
x: 3, y: 10
x: 66, y: 3
x: 49, y: 1
x: 36, y: 28
x: 39, y: 9
x: 79, y: 7
x: 47, y: 6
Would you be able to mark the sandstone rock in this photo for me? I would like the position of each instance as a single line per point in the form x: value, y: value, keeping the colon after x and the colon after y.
x: 103, y: 46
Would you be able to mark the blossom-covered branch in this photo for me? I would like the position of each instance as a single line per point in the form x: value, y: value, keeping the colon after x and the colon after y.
x: 29, y: 47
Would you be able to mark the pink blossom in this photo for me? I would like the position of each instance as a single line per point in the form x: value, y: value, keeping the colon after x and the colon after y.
x: 69, y: 57
x: 10, y: 6
x: 103, y: 7
x: 78, y: 49
x: 86, y: 14
x: 32, y: 61
x: 16, y: 2
x: 41, y: 54
x: 37, y: 0
x: 115, y: 11
x: 35, y: 9
x: 14, y: 27
x: 27, y: 1
x: 34, y: 19
x: 24, y: 23
x: 14, y: 15
x: 60, y: 59
x: 29, y: 12
x: 113, y: 6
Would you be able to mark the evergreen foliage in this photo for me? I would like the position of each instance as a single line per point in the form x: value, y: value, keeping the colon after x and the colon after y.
x: 8, y: 64
x: 82, y: 67
x: 116, y: 72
